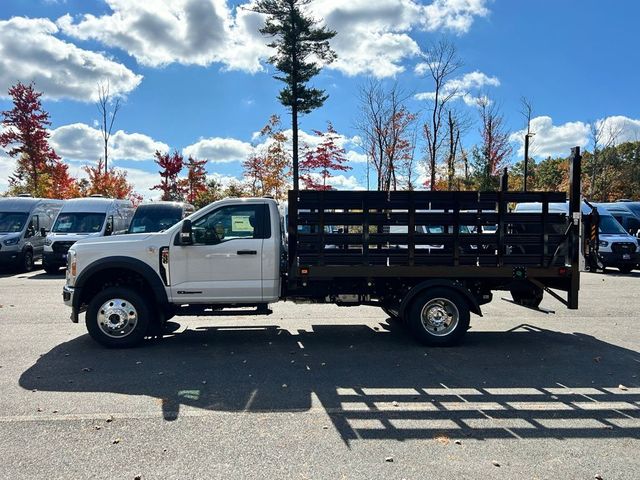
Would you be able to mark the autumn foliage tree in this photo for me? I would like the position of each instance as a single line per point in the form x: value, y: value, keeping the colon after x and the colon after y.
x: 196, y: 182
x: 39, y: 170
x: 171, y: 165
x: 495, y: 148
x: 319, y: 162
x: 112, y: 183
x: 268, y: 169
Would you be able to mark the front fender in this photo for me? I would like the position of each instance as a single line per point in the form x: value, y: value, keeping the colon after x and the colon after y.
x: 126, y: 263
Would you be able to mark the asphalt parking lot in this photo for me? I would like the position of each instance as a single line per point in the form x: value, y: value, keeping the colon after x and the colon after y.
x: 323, y: 392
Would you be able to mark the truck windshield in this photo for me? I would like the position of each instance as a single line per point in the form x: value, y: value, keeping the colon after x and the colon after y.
x: 77, y: 222
x: 610, y: 226
x: 11, y: 222
x: 154, y: 219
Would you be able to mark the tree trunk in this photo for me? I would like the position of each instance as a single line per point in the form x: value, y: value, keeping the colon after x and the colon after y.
x: 294, y: 141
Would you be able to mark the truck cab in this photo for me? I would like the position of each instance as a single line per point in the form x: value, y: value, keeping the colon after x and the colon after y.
x: 224, y: 255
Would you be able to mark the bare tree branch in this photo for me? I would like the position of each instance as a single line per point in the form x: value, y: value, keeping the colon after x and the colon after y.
x: 107, y: 118
x: 443, y: 62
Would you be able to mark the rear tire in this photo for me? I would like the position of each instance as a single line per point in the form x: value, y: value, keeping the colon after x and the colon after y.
x: 118, y: 317
x: 626, y: 269
x: 439, y: 317
x: 531, y: 298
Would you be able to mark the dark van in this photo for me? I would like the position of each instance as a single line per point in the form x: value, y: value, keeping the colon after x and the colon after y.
x: 158, y: 216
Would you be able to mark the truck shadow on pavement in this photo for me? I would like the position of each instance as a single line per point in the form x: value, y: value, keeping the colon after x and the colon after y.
x: 373, y: 383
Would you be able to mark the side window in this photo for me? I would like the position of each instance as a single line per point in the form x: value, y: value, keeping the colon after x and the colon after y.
x: 234, y: 222
x: 33, y: 227
x: 633, y: 224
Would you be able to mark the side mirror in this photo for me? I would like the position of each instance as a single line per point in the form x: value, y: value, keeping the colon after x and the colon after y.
x: 108, y: 229
x: 43, y: 232
x: 186, y: 233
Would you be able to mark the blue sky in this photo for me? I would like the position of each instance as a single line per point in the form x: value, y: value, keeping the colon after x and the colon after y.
x: 198, y: 82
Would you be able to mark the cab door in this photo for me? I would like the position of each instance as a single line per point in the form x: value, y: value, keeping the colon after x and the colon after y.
x: 224, y: 263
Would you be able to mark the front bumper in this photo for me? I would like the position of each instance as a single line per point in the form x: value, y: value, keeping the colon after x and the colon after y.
x: 54, y: 259
x: 9, y: 257
x: 616, y: 259
x: 67, y: 298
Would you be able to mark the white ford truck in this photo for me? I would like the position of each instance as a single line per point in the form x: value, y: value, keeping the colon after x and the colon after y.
x: 338, y: 247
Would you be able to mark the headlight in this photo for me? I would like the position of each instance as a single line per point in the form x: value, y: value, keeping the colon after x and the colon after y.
x: 48, y: 241
x: 11, y: 241
x: 602, y: 243
x: 72, y: 268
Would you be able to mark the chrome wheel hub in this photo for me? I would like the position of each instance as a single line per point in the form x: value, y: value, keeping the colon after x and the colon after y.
x: 117, y: 318
x: 439, y: 316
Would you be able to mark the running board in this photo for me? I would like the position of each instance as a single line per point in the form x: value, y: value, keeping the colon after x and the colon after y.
x: 535, y: 309
x: 217, y: 311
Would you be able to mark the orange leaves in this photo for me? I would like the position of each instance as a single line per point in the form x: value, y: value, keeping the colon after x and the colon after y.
x: 113, y: 183
x: 319, y: 162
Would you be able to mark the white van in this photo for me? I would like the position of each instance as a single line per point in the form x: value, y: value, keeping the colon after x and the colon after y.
x: 81, y: 218
x: 616, y: 248
x: 24, y: 223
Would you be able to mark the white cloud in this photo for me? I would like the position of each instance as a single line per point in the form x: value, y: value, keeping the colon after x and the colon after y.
x: 340, y: 182
x: 373, y: 35
x: 356, y: 157
x: 462, y: 87
x: 454, y: 15
x: 219, y: 150
x: 81, y: 142
x: 550, y: 139
x: 29, y: 51
x: 618, y: 129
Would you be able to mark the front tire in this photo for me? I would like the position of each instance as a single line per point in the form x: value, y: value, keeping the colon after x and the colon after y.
x: 118, y: 318
x: 51, y: 269
x: 26, y: 263
x: 439, y: 317
x: 626, y: 269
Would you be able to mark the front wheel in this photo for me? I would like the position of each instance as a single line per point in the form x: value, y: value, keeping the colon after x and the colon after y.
x: 26, y: 265
x: 439, y: 317
x: 625, y: 268
x: 51, y: 269
x: 118, y: 318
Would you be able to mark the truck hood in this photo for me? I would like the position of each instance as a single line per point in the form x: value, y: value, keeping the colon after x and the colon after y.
x: 4, y: 235
x: 71, y: 236
x: 617, y: 237
x: 117, y: 239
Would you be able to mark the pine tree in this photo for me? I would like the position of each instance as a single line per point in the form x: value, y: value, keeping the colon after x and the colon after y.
x: 300, y: 44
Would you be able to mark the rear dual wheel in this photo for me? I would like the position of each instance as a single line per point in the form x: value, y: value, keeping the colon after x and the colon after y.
x: 438, y: 317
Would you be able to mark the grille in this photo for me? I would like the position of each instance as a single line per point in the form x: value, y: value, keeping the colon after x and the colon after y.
x: 61, y: 247
x: 623, y: 247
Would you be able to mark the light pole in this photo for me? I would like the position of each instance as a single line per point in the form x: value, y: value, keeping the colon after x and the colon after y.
x: 526, y: 158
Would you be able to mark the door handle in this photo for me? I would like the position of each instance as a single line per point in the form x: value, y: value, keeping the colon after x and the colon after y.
x: 247, y: 252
